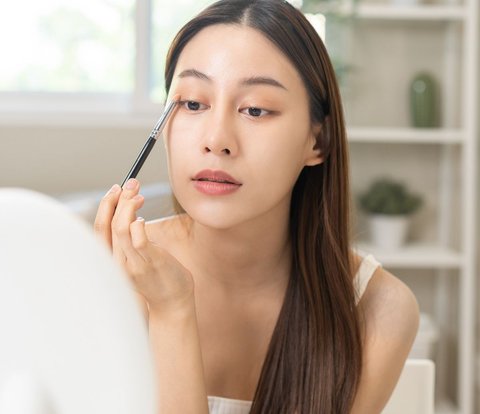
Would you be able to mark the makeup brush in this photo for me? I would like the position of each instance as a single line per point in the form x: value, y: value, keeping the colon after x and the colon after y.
x: 150, y: 141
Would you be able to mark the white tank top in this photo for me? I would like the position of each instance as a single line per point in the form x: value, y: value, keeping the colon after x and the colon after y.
x: 221, y: 405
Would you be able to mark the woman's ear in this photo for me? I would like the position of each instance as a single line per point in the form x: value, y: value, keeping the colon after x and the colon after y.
x: 314, y: 155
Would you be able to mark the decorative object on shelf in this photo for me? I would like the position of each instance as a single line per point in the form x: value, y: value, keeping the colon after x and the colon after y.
x: 389, y: 206
x: 318, y: 22
x: 424, y: 101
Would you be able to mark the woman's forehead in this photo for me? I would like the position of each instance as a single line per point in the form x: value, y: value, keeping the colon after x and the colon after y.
x: 232, y: 52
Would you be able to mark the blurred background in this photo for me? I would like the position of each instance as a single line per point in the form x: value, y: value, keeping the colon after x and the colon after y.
x: 81, y: 86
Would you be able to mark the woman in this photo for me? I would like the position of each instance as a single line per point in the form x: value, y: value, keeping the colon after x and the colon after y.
x: 254, y: 293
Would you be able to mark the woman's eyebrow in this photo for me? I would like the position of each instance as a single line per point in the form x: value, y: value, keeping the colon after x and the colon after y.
x: 194, y: 73
x: 262, y: 80
x: 252, y: 80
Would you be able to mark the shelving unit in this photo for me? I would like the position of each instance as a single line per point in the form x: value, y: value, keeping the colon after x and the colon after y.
x: 450, y: 259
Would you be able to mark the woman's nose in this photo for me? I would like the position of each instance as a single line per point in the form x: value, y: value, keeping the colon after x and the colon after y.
x: 220, y: 138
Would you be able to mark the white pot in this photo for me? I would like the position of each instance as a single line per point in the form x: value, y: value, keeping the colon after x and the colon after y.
x: 388, y: 232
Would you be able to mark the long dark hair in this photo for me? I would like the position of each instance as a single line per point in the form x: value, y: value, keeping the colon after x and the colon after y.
x: 314, y: 359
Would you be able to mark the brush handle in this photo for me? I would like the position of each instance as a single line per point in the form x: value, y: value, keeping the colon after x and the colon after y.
x: 150, y: 141
x: 140, y: 159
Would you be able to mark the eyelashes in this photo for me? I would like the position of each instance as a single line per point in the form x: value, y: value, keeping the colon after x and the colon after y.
x: 193, y: 106
x: 252, y: 111
x: 256, y: 112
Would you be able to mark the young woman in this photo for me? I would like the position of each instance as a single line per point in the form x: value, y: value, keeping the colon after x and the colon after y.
x: 254, y: 296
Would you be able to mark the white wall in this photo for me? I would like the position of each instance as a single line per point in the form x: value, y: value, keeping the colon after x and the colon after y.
x: 60, y: 159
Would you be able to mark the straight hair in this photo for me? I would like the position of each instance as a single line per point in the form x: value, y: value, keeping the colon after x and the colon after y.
x: 314, y: 359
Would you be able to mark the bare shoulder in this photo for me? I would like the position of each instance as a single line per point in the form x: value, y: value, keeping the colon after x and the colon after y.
x: 390, y: 308
x: 391, y: 320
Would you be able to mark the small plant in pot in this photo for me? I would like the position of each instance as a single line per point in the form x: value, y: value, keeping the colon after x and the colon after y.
x: 389, y: 206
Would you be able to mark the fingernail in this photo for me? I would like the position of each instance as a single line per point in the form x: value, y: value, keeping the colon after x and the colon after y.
x: 114, y: 189
x: 131, y: 184
x: 140, y: 219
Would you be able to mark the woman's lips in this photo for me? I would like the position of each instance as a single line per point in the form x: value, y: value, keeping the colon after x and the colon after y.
x: 215, y: 182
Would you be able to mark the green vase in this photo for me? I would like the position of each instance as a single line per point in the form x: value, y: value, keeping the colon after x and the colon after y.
x: 423, y: 101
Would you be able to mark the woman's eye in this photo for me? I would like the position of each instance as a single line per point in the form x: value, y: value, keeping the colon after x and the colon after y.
x: 193, y: 105
x: 256, y: 112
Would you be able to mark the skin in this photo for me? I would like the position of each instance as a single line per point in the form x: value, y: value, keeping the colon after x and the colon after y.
x: 212, y: 282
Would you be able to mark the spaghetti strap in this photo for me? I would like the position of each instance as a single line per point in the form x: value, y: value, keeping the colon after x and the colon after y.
x: 364, y: 273
x: 221, y: 405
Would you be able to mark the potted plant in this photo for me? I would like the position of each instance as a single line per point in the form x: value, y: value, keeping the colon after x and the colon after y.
x: 389, y: 206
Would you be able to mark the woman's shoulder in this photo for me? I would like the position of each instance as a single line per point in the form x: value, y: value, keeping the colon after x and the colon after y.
x: 384, y: 292
x: 390, y: 314
x: 388, y: 305
x: 383, y: 286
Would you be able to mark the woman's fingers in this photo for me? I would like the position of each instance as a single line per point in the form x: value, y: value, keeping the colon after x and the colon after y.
x: 138, y: 260
x: 116, y: 223
x: 124, y: 213
x: 139, y: 237
x: 130, y: 201
x: 103, y: 220
x: 118, y: 252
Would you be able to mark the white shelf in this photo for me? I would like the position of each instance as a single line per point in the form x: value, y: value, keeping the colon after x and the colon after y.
x: 406, y: 135
x: 459, y: 26
x: 425, y: 256
x: 420, y: 12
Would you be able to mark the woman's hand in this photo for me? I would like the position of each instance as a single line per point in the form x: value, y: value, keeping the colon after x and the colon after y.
x: 161, y: 279
x: 168, y: 289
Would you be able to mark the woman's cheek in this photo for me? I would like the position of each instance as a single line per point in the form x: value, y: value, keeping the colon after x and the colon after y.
x: 182, y: 160
x: 180, y: 134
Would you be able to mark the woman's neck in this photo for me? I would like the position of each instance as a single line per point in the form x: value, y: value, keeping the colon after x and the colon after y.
x: 251, y: 256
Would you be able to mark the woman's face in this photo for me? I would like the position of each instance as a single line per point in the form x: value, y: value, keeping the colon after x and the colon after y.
x: 244, y: 112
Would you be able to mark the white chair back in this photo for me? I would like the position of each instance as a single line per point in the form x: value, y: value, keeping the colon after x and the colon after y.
x: 72, y: 336
x: 414, y: 393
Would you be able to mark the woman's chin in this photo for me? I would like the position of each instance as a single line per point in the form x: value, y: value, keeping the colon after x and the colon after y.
x: 214, y: 219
